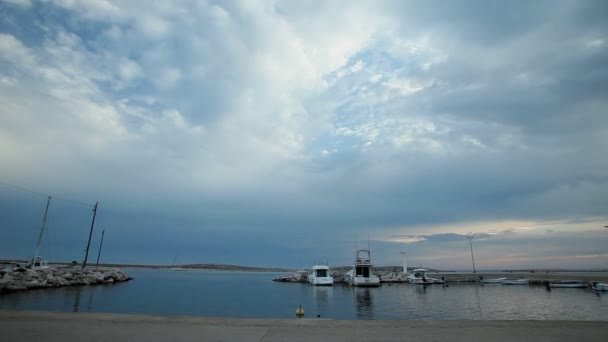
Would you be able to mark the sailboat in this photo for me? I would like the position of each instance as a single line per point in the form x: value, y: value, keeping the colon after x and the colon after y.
x: 174, y: 266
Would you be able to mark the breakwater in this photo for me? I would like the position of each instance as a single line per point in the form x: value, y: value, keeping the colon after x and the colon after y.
x: 21, y: 279
x: 539, y: 278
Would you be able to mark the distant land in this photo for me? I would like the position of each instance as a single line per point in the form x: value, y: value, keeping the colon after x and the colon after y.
x: 217, y: 267
x: 342, y: 269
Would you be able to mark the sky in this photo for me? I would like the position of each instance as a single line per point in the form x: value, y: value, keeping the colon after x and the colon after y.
x: 273, y: 133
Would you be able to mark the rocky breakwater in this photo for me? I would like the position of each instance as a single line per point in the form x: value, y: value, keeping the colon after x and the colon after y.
x: 20, y: 279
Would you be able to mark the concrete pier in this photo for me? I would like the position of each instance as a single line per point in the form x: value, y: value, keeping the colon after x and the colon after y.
x: 538, y: 276
x: 50, y: 327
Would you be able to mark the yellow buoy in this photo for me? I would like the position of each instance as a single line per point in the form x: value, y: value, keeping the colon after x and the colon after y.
x: 300, y: 312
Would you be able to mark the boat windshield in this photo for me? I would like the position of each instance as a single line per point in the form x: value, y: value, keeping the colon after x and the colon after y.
x: 321, y: 273
x: 362, y: 272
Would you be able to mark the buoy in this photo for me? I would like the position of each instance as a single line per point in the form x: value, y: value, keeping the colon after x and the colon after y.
x: 300, y: 312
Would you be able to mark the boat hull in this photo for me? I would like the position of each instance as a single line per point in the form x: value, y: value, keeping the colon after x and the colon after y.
x: 515, y: 282
x: 321, y: 281
x: 367, y: 282
x: 600, y: 287
x: 569, y: 285
x: 493, y: 281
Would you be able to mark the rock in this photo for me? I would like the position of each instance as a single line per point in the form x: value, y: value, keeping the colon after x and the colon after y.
x: 15, y: 287
x: 96, y: 277
x: 34, y: 284
x: 54, y: 277
x: 7, y: 278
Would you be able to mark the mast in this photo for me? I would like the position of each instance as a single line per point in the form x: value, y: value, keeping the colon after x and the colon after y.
x: 404, y: 263
x: 86, y: 256
x: 100, y: 245
x: 471, y: 237
x: 46, y: 211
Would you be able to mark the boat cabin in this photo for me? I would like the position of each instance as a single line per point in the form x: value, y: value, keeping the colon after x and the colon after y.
x: 39, y: 264
x: 321, y: 272
x: 419, y: 272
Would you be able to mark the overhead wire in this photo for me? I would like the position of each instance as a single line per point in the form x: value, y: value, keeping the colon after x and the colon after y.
x: 46, y: 195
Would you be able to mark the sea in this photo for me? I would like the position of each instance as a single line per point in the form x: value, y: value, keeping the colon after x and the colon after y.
x: 255, y: 295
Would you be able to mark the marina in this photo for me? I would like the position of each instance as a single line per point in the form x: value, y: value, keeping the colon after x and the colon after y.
x: 254, y: 295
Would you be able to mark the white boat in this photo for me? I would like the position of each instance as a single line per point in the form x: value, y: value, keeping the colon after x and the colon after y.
x: 362, y: 274
x: 569, y: 284
x: 40, y: 264
x: 493, y: 281
x: 418, y: 277
x: 320, y: 276
x: 600, y: 287
x: 515, y: 282
x: 178, y: 269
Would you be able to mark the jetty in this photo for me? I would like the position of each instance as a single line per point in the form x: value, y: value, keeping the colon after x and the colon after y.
x: 21, y: 278
x: 29, y: 326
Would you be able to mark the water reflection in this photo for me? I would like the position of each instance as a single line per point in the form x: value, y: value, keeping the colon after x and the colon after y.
x: 478, y: 299
x: 322, y: 296
x: 77, y: 294
x: 421, y: 288
x: 364, y: 303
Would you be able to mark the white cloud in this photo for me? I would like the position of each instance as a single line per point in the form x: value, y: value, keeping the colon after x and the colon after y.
x: 14, y: 51
x: 168, y: 78
x: 320, y: 103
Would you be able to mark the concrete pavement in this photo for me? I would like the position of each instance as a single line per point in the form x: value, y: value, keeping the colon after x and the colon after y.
x: 50, y: 327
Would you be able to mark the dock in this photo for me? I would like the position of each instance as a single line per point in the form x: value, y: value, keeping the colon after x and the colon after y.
x: 29, y: 326
x: 536, y: 277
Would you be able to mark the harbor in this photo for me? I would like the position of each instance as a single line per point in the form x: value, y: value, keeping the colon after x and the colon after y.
x: 254, y: 295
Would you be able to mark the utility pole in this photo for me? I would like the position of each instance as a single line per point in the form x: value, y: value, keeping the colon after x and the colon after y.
x: 86, y: 256
x: 404, y: 263
x: 46, y: 211
x: 471, y: 236
x: 100, y: 245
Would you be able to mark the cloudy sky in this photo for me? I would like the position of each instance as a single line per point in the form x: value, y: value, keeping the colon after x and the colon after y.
x: 273, y: 132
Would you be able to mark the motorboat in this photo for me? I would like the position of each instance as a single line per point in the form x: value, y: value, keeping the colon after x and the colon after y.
x: 515, y: 281
x: 600, y: 286
x: 568, y: 284
x: 493, y: 281
x: 320, y: 276
x: 418, y: 277
x: 362, y: 273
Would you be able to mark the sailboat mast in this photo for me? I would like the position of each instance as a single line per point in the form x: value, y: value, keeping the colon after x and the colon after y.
x: 46, y: 211
x: 86, y: 256
x: 100, y: 245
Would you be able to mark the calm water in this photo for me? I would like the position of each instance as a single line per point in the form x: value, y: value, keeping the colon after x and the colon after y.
x: 236, y: 294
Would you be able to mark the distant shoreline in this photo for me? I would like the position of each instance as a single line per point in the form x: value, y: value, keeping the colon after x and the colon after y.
x: 230, y: 267
x: 208, y: 267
